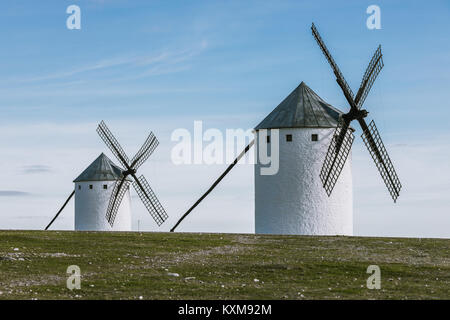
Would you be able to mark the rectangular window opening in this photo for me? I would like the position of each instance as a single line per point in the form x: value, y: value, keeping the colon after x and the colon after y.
x: 314, y: 137
x: 268, y: 139
x: 289, y: 137
x: 91, y: 186
x: 105, y: 186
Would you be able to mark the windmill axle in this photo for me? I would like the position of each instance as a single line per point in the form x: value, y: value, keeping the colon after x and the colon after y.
x: 129, y: 171
x: 355, y: 114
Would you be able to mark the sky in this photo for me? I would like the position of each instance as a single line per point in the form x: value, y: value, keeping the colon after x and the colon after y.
x: 161, y: 65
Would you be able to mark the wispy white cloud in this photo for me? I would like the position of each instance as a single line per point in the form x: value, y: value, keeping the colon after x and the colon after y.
x: 167, y: 62
x: 36, y: 168
x: 145, y: 65
x: 101, y: 64
x: 13, y: 193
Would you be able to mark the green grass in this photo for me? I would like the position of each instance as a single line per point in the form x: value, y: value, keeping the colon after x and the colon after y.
x: 219, y: 266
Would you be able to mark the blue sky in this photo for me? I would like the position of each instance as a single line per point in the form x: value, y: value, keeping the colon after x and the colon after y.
x: 160, y: 65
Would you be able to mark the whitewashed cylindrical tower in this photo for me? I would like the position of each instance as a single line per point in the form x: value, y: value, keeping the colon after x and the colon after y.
x: 93, y: 189
x: 293, y: 201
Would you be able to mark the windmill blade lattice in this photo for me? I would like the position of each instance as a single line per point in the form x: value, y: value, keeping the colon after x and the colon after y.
x: 382, y: 160
x: 336, y: 70
x: 145, y: 151
x: 372, y: 71
x: 112, y: 144
x: 336, y: 157
x: 150, y: 200
x: 340, y: 147
x: 141, y: 185
x: 119, y: 190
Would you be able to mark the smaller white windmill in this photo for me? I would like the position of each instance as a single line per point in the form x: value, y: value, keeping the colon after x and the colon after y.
x: 93, y: 190
x: 102, y: 191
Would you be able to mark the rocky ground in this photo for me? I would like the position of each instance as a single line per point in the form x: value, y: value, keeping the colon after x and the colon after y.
x: 33, y: 265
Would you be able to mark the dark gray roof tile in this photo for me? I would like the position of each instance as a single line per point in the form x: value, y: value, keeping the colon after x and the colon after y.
x: 102, y: 169
x: 303, y: 108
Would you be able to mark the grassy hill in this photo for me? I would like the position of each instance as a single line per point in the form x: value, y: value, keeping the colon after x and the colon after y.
x: 33, y: 264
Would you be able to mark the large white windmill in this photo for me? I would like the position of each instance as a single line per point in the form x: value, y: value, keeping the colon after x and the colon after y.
x: 312, y: 191
x: 293, y: 201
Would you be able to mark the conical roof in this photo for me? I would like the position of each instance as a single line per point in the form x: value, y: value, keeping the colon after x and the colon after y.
x: 102, y: 169
x: 303, y: 108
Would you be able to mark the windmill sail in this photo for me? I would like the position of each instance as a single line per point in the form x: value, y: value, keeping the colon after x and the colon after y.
x: 141, y: 185
x: 374, y: 144
x: 372, y: 71
x: 150, y: 200
x: 112, y: 144
x: 145, y: 151
x: 336, y: 157
x: 119, y: 190
x: 343, y: 139
x: 339, y: 76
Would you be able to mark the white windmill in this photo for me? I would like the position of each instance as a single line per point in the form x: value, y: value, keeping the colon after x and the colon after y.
x: 315, y: 152
x: 293, y: 201
x: 93, y: 190
x: 102, y: 190
x: 311, y: 193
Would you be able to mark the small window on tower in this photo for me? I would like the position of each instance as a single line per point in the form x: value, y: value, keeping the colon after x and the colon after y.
x: 79, y: 187
x: 105, y: 186
x: 268, y: 139
x: 289, y: 137
x: 314, y: 137
x: 90, y: 186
